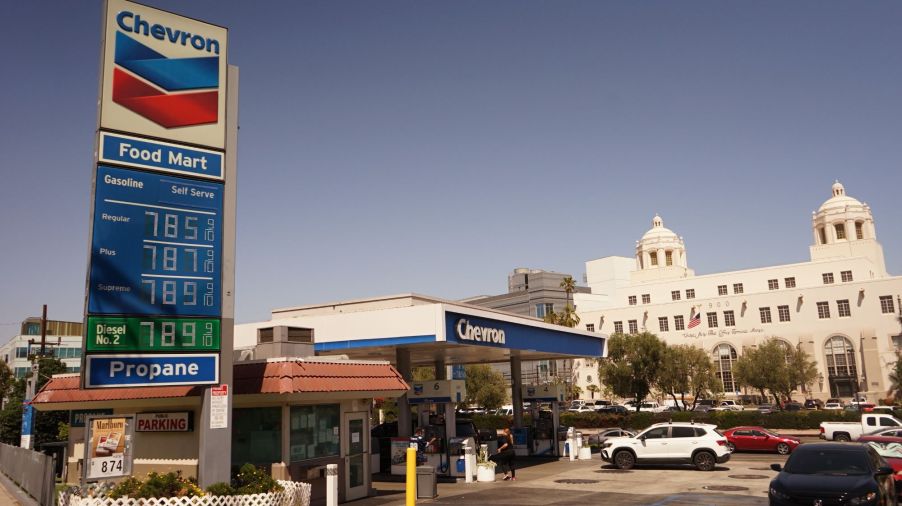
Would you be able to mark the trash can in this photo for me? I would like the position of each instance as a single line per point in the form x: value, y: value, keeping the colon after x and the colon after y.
x: 426, y: 486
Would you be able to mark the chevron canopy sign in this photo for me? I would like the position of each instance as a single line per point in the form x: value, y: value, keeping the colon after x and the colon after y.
x: 163, y: 75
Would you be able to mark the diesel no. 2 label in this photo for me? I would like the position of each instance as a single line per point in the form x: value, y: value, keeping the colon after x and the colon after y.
x: 152, y: 334
x: 156, y: 245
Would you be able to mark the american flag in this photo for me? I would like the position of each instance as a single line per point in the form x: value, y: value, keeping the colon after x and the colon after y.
x: 694, y: 319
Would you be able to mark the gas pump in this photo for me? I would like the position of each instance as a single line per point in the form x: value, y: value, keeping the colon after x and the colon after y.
x: 545, y: 422
x: 435, y: 402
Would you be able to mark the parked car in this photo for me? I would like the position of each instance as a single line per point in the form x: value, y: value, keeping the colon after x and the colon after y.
x: 814, y: 404
x: 582, y: 409
x: 652, y: 407
x: 868, y: 438
x: 792, y: 406
x: 759, y: 439
x: 730, y: 405
x: 605, y: 434
x: 892, y: 453
x: 833, y: 473
x: 616, y: 409
x: 767, y: 408
x: 669, y: 443
x: 848, y: 431
x: 886, y: 410
x: 833, y: 405
x: 887, y: 432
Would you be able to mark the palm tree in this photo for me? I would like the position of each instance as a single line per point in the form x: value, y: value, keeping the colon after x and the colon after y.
x: 895, y: 379
x: 593, y: 389
x: 569, y: 286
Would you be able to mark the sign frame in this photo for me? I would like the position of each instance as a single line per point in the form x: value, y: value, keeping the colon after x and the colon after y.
x: 150, y: 356
x: 124, y: 458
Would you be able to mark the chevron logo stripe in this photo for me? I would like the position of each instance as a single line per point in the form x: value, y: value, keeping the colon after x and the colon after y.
x: 146, y: 88
x: 170, y: 111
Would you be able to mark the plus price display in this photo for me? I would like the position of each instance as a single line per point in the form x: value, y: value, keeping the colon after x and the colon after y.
x: 155, y: 247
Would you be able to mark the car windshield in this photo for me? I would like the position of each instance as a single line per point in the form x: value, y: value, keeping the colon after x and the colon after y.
x: 829, y: 462
x: 465, y: 430
x: 891, y: 450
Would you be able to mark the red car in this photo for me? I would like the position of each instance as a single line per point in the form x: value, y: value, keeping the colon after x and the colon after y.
x: 889, y: 448
x: 876, y: 438
x: 759, y: 439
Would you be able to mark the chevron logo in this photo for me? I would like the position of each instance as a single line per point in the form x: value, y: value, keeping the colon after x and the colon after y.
x: 171, y: 92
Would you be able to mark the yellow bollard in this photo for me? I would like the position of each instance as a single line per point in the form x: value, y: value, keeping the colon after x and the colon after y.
x: 411, y: 477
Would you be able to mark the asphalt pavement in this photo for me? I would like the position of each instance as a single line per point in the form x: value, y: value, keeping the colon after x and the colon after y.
x: 741, y: 481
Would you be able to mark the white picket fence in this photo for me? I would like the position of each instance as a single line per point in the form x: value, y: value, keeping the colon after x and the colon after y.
x: 294, y: 493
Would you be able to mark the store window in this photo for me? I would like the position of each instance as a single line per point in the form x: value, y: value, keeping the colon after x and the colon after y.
x: 841, y: 369
x: 315, y: 431
x: 257, y: 436
x: 724, y: 358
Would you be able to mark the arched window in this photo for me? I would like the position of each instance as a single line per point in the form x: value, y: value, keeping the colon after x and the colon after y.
x: 859, y: 230
x: 724, y: 358
x: 841, y: 369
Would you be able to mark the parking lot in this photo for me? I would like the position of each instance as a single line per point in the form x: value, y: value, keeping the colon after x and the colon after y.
x: 741, y: 481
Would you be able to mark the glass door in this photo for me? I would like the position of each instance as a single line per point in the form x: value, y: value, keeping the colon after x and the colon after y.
x: 357, y: 455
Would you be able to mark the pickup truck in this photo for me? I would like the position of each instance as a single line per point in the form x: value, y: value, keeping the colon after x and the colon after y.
x: 851, y: 431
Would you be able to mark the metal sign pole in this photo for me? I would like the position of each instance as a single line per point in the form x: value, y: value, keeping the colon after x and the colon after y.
x: 215, y: 451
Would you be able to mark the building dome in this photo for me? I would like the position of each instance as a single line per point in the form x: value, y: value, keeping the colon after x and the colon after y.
x: 842, y: 219
x: 660, y: 247
x: 840, y: 201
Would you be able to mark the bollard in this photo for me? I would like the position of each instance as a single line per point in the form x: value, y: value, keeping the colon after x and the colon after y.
x: 468, y: 466
x: 411, y: 493
x: 571, y: 442
x: 332, y: 485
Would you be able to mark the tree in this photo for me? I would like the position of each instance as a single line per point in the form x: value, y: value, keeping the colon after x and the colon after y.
x: 423, y: 373
x: 687, y: 369
x: 485, y: 387
x: 46, y: 424
x: 593, y: 389
x: 631, y: 367
x: 569, y: 286
x: 567, y: 317
x: 775, y: 367
x: 895, y: 378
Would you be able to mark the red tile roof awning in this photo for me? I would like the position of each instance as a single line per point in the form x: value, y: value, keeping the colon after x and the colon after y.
x: 295, y: 376
x: 286, y: 376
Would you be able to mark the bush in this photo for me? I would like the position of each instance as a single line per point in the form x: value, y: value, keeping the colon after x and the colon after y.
x: 251, y: 480
x: 156, y: 486
x: 221, y: 488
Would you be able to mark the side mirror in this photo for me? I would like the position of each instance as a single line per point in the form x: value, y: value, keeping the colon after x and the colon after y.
x: 884, y: 471
x: 776, y: 467
x: 641, y: 438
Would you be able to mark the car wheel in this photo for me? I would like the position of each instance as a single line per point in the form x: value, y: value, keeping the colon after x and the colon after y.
x: 783, y: 449
x: 704, y: 461
x: 842, y: 438
x: 624, y: 460
x: 731, y: 447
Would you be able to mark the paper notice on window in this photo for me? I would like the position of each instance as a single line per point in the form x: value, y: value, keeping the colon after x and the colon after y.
x: 219, y: 407
x: 355, y: 437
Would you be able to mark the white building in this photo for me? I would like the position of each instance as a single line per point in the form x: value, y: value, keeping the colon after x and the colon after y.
x: 841, y: 307
x: 63, y: 341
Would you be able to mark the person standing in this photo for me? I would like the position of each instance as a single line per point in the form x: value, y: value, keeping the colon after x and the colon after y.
x: 505, y: 455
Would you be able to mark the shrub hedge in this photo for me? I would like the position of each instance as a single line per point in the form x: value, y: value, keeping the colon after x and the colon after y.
x: 723, y: 419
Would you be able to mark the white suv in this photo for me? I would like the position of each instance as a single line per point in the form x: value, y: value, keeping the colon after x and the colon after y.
x: 669, y: 443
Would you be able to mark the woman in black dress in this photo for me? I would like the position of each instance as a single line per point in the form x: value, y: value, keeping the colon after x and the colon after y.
x: 505, y: 455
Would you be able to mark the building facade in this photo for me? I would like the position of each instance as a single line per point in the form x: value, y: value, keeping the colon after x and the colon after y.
x: 536, y: 293
x: 841, y: 307
x: 64, y: 341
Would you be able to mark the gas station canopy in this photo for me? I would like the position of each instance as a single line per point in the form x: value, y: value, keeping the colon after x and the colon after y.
x: 432, y: 330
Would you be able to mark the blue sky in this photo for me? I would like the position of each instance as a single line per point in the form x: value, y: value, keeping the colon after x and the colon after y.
x: 428, y: 146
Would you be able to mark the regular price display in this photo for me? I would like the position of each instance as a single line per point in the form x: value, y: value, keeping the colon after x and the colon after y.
x: 156, y: 247
x: 149, y: 334
x: 106, y: 467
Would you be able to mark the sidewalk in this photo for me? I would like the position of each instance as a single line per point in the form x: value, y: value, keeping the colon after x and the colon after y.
x: 6, y: 497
